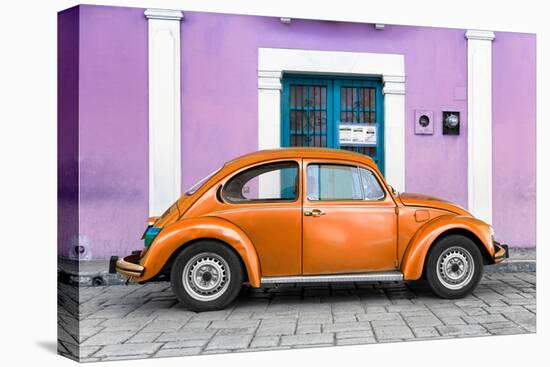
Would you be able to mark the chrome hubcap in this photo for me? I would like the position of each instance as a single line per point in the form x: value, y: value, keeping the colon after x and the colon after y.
x: 206, y: 276
x: 455, y: 268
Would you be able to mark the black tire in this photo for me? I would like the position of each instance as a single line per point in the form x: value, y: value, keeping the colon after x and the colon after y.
x: 219, y: 260
x: 454, y: 251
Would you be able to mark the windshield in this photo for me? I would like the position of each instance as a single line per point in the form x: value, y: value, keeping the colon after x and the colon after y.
x: 201, y: 182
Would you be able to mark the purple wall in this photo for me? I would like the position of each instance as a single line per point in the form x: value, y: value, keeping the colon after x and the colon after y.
x: 113, y: 130
x: 514, y: 140
x: 220, y: 110
x: 220, y: 54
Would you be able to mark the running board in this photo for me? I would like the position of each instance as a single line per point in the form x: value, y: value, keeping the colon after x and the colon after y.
x: 385, y: 276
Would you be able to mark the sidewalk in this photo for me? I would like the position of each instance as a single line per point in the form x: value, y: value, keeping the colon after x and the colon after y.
x: 521, y: 260
x: 96, y: 273
x: 143, y: 321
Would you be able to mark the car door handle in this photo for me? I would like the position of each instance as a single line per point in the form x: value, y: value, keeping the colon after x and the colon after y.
x: 314, y: 213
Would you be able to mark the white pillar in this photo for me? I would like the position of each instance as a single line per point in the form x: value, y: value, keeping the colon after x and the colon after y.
x: 394, y: 130
x: 164, y: 109
x: 269, y: 127
x: 480, y: 151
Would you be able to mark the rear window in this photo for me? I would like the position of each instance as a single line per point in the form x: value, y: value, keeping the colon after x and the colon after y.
x: 268, y: 182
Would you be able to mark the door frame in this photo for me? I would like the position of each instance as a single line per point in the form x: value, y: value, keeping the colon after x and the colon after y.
x: 273, y: 62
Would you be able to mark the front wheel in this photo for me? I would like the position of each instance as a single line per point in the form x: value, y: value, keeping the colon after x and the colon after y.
x: 454, y: 267
x: 206, y: 276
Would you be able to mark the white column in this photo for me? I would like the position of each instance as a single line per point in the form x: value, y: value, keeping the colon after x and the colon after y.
x: 480, y: 152
x: 394, y: 131
x: 269, y: 126
x: 164, y: 109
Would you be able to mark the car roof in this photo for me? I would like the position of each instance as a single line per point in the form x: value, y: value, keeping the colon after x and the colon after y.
x: 281, y: 153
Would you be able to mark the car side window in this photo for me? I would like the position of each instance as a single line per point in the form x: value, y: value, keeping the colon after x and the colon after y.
x: 333, y: 182
x: 371, y: 187
x: 268, y: 182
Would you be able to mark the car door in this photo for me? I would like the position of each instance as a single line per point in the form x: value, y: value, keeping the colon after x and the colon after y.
x: 349, y: 219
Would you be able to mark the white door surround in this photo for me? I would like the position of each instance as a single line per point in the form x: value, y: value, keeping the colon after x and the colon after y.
x: 164, y: 108
x: 480, y: 151
x: 273, y: 62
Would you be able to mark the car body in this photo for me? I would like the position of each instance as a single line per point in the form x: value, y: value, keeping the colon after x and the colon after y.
x: 303, y: 215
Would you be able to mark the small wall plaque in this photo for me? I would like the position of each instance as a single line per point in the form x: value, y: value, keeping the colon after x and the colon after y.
x: 357, y: 135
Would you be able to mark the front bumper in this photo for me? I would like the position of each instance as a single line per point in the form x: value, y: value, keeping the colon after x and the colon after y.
x: 128, y: 265
x: 501, y: 252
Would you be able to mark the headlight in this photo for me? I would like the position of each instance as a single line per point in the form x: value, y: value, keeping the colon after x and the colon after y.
x: 150, y: 235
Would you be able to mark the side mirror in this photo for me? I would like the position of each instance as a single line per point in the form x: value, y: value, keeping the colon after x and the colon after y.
x: 394, y: 191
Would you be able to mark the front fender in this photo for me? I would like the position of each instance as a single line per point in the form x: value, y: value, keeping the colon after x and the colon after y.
x: 415, y: 254
x: 178, y: 234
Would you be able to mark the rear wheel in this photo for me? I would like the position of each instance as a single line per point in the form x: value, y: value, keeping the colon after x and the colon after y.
x: 454, y: 267
x: 206, y: 275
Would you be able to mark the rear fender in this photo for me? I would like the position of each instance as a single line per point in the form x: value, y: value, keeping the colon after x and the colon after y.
x: 414, y: 258
x: 174, y: 236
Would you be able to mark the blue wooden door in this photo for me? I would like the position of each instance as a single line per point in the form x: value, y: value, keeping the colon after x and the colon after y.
x: 314, y: 109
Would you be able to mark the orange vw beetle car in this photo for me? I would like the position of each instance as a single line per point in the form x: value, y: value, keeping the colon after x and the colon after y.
x: 307, y: 215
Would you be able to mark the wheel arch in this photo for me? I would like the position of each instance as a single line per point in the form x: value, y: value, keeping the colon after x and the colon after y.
x: 469, y: 234
x: 414, y: 259
x: 176, y: 237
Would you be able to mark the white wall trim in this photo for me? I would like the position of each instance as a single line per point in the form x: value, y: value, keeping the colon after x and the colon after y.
x: 163, y: 14
x: 473, y: 34
x: 273, y: 62
x: 164, y: 108
x: 269, y: 80
x: 480, y: 151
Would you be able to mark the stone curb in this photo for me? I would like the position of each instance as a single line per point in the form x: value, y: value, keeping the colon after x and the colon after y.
x: 95, y: 272
x: 512, y: 266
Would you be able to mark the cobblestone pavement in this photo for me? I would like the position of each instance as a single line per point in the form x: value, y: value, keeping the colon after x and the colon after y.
x: 142, y: 321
